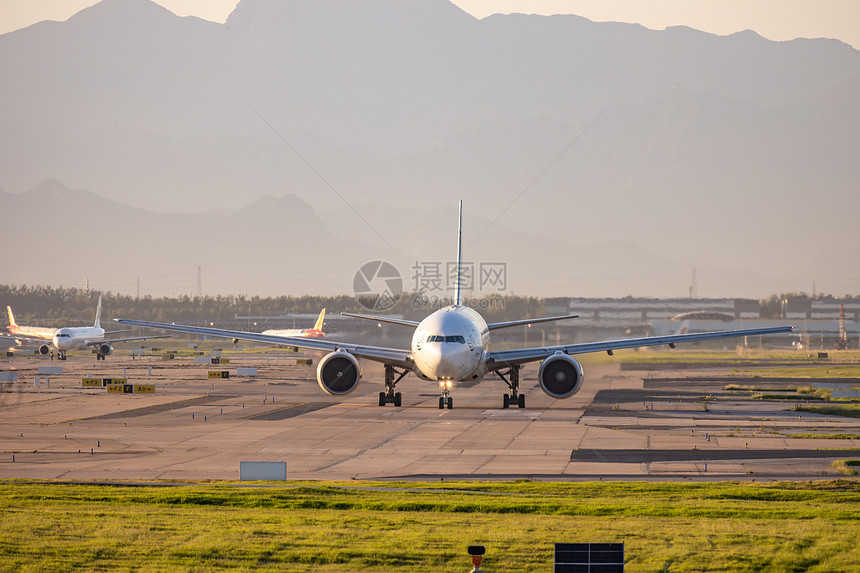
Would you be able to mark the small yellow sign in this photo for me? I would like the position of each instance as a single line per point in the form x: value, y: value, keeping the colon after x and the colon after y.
x: 144, y: 388
x: 220, y: 361
x: 304, y: 362
x: 219, y: 374
x: 91, y: 382
x: 114, y: 381
x: 116, y: 389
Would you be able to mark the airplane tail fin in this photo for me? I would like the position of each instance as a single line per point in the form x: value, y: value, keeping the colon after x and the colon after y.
x: 320, y: 320
x: 97, y: 323
x: 458, y: 298
x: 12, y: 322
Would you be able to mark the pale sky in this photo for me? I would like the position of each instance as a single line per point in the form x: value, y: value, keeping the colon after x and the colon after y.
x: 773, y: 19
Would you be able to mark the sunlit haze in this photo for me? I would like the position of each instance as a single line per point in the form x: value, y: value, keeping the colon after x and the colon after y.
x: 646, y: 147
x: 773, y: 19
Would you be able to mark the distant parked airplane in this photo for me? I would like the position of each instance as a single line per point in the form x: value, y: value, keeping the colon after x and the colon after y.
x: 315, y: 332
x: 70, y: 338
x: 452, y: 345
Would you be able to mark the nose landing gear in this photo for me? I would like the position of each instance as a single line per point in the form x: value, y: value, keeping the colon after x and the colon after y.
x: 445, y: 399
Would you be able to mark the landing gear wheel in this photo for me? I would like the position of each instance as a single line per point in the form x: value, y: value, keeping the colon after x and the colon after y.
x: 441, y: 402
x: 450, y: 403
x: 392, y: 377
x: 511, y: 377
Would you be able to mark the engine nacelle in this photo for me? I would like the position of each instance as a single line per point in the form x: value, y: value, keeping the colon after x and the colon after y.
x: 560, y: 376
x: 104, y: 349
x: 338, y: 373
x: 44, y: 349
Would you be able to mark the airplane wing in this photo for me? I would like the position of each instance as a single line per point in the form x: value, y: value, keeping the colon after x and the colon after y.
x: 510, y: 323
x: 505, y: 358
x: 399, y: 321
x: 394, y: 356
x: 115, y: 340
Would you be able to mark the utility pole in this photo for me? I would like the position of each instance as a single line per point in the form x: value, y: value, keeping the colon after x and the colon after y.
x: 138, y: 288
x: 199, y: 281
x: 842, y: 343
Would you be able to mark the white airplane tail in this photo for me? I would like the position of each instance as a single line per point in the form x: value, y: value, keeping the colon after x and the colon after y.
x: 320, y: 320
x: 97, y: 323
x: 458, y: 297
x: 12, y: 322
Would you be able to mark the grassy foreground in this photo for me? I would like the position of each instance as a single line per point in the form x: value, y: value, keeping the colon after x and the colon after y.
x: 423, y: 527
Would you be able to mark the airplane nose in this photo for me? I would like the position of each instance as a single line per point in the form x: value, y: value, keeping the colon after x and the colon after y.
x: 429, y: 360
x: 447, y: 367
x: 455, y: 361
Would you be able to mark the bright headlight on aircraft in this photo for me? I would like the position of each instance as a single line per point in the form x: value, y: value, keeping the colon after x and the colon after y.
x: 449, y: 383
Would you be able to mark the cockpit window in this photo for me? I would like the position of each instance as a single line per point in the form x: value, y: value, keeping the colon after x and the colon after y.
x: 440, y: 338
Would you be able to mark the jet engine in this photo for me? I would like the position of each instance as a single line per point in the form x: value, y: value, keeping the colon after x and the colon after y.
x: 560, y: 376
x: 44, y: 349
x: 338, y: 373
x: 104, y: 349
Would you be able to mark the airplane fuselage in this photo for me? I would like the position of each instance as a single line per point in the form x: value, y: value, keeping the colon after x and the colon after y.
x: 296, y: 333
x: 32, y: 331
x: 77, y: 338
x: 450, y: 345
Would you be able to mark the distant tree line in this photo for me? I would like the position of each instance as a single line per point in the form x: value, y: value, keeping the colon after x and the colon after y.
x: 35, y: 305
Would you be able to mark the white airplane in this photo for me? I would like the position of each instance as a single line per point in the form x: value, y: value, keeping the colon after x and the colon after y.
x: 71, y: 338
x: 453, y: 345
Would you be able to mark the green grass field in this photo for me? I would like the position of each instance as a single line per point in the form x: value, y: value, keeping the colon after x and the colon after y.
x: 847, y: 410
x: 426, y: 527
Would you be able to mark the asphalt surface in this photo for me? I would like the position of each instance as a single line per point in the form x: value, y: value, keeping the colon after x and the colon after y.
x: 195, y: 428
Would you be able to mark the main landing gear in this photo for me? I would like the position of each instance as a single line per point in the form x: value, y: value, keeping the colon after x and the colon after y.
x: 61, y: 354
x: 390, y: 396
x: 514, y: 398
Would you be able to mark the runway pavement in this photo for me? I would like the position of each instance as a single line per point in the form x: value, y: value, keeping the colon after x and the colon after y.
x: 194, y: 428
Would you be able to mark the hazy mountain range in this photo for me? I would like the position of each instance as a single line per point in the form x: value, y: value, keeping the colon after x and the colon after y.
x: 636, y: 155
